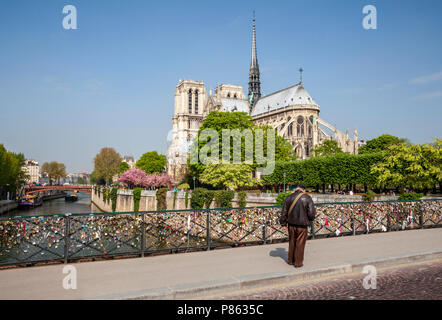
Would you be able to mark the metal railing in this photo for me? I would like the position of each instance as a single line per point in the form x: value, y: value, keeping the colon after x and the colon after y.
x: 28, y: 240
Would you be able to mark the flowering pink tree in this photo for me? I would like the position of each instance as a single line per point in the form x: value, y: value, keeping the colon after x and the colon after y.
x: 133, y: 177
x: 158, y: 180
x: 165, y: 180
x: 138, y: 178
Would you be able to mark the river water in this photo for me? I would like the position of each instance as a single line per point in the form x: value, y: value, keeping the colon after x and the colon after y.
x: 57, y: 206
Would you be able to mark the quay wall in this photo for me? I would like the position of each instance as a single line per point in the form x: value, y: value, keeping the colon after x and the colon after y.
x: 148, y: 202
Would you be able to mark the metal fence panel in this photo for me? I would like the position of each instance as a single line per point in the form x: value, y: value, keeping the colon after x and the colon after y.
x: 25, y: 240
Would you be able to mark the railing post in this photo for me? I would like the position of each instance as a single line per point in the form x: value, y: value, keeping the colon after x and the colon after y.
x: 143, y: 236
x: 264, y: 232
x: 388, y: 221
x: 353, y: 229
x: 208, y: 230
x: 66, y: 237
x: 421, y: 220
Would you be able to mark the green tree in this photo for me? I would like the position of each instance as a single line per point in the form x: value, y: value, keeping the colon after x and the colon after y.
x: 54, y: 170
x: 152, y: 162
x: 124, y: 166
x: 106, y: 165
x: 326, y: 148
x: 380, y: 143
x: 414, y: 166
x: 229, y: 176
x: 243, y: 122
x: 12, y: 176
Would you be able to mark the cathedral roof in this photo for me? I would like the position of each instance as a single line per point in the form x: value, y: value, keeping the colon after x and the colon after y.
x: 294, y: 95
x: 234, y: 105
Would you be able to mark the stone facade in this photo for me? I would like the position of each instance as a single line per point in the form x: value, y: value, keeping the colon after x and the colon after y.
x: 32, y: 169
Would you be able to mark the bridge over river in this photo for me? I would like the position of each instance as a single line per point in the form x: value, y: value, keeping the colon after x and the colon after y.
x: 79, y: 188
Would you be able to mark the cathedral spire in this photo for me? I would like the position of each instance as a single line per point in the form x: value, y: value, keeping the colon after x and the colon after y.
x: 254, y: 82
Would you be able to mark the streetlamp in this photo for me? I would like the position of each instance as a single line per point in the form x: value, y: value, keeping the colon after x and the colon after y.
x: 284, y: 181
x: 193, y: 182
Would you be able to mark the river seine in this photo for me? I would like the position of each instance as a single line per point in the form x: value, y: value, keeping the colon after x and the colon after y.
x: 57, y: 206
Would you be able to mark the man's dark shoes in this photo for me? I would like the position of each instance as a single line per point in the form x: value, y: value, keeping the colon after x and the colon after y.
x: 299, y: 266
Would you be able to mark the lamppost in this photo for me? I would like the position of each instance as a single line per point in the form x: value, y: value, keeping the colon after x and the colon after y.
x: 193, y: 182
x: 284, y: 181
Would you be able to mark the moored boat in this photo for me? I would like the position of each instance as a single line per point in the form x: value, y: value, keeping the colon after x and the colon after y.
x: 30, y: 201
x: 71, y: 197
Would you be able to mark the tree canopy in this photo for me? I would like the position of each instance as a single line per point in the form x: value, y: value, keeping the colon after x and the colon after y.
x: 415, y: 166
x: 380, y: 143
x: 12, y: 177
x: 228, y: 176
x: 326, y: 148
x: 124, y: 166
x: 246, y: 131
x: 54, y: 170
x: 342, y: 168
x: 152, y: 162
x: 106, y: 165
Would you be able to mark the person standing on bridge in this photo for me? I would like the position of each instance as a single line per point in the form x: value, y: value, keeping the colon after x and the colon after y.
x: 298, y: 212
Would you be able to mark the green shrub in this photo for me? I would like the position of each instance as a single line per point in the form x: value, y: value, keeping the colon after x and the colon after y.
x: 161, y: 198
x: 281, y: 197
x: 186, y: 199
x: 208, y: 198
x: 242, y: 199
x: 410, y: 196
x: 113, y: 197
x: 226, y: 198
x: 198, y: 198
x: 137, y: 197
x: 218, y: 196
x: 174, y: 198
x: 184, y: 186
x: 369, y: 196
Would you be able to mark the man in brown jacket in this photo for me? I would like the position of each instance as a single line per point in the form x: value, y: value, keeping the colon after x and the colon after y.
x: 298, y: 212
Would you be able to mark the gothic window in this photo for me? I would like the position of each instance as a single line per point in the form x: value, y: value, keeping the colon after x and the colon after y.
x: 234, y: 97
x: 228, y: 95
x: 196, y: 101
x: 310, y: 127
x: 300, y: 127
x: 190, y: 100
x: 290, y: 130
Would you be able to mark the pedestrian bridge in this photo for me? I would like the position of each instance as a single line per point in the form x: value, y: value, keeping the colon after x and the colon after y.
x: 79, y: 188
x: 71, y: 237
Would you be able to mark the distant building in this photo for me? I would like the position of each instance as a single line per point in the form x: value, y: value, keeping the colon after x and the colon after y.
x: 130, y: 161
x: 362, y: 143
x: 72, y: 178
x: 32, y: 170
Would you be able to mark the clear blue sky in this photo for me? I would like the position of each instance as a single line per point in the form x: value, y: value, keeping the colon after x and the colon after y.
x: 64, y: 94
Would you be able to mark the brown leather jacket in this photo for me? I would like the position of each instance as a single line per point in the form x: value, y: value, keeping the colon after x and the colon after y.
x: 302, y: 214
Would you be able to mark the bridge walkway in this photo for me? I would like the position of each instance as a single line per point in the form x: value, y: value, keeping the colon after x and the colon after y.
x: 187, y: 275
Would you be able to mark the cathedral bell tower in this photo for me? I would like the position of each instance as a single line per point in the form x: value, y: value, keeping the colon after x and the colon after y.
x: 254, y: 82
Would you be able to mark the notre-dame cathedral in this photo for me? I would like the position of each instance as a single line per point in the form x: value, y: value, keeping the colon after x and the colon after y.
x: 292, y: 112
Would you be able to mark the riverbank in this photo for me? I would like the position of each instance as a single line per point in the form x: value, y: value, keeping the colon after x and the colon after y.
x: 7, y: 206
x: 180, y: 200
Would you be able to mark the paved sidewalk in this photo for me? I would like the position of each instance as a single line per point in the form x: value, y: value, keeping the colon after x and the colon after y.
x: 195, y: 274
